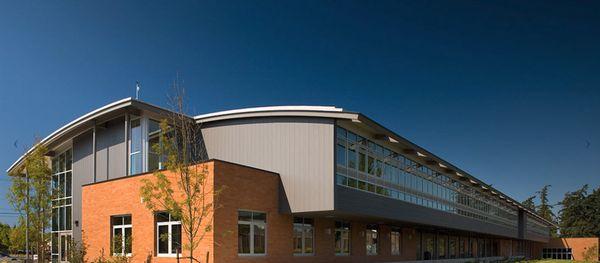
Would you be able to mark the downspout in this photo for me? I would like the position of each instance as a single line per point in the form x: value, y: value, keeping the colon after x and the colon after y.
x: 94, y: 148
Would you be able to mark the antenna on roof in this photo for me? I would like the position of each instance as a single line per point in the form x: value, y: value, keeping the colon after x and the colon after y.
x: 137, y: 89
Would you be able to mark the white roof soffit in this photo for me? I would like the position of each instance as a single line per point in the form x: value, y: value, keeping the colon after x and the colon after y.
x: 278, y: 111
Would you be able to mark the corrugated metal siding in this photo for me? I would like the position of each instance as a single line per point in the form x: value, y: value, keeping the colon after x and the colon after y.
x: 299, y: 149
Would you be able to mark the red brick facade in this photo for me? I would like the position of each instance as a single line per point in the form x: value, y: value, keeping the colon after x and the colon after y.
x: 244, y: 188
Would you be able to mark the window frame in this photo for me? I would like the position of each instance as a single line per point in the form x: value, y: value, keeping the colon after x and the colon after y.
x: 169, y: 225
x: 145, y: 148
x: 303, y: 227
x: 345, y: 227
x: 122, y: 227
x: 396, y: 233
x: 372, y: 233
x: 253, y: 223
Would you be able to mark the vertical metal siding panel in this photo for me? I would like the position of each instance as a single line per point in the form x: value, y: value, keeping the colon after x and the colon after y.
x: 117, y: 164
x: 299, y: 149
x: 83, y: 173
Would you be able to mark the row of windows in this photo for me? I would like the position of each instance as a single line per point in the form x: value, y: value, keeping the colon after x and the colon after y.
x: 366, y: 161
x: 557, y: 253
x: 168, y: 235
x: 431, y: 246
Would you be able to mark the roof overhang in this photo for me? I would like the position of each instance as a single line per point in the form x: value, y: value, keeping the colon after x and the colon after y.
x: 87, y: 121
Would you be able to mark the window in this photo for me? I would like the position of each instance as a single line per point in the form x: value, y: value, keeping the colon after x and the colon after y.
x: 395, y: 241
x: 144, y: 145
x: 62, y: 203
x: 389, y: 172
x: 303, y: 236
x: 252, y: 230
x: 135, y: 146
x: 441, y: 246
x: 121, y: 235
x: 342, y: 238
x: 371, y: 236
x: 341, y: 155
x: 557, y: 253
x: 168, y: 234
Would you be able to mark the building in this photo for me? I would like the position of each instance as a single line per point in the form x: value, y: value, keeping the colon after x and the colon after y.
x: 306, y: 184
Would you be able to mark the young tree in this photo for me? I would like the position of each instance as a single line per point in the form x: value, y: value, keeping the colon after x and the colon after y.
x: 545, y: 208
x: 4, y: 237
x: 17, y: 238
x: 31, y: 195
x: 190, y: 198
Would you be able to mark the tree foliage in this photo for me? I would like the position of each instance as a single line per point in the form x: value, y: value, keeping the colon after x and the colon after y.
x: 529, y: 203
x: 545, y: 208
x: 189, y: 197
x: 32, y: 182
x: 580, y: 213
x: 4, y: 237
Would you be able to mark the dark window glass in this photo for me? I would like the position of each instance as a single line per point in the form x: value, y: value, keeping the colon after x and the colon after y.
x: 176, y: 239
x: 163, y: 239
x: 243, y: 238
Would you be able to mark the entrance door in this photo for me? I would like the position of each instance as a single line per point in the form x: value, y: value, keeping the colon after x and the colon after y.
x: 61, y: 247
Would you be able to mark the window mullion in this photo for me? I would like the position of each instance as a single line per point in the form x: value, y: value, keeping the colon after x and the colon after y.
x: 170, y: 240
x: 251, y: 238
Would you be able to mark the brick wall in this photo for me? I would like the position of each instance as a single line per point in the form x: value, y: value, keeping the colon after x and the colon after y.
x: 579, y: 246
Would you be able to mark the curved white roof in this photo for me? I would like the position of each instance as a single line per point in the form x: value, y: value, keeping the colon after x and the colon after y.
x: 273, y: 111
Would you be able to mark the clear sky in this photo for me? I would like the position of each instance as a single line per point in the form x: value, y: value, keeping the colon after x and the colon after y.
x: 507, y: 90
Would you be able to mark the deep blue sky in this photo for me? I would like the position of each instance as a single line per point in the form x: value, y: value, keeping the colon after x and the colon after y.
x: 509, y: 91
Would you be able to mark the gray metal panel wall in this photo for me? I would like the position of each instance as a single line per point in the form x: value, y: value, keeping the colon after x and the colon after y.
x: 110, y: 161
x: 300, y: 149
x: 359, y: 203
x: 83, y: 173
x: 110, y: 150
x: 530, y: 235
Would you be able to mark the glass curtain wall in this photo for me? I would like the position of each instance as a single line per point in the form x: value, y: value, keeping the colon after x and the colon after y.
x: 367, y: 166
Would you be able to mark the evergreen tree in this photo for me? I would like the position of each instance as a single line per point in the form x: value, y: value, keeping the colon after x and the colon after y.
x: 545, y: 208
x: 529, y: 203
x: 592, y: 206
x: 573, y: 215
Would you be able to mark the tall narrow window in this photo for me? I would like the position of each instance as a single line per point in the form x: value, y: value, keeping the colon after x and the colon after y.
x: 372, y: 240
x: 135, y: 147
x: 303, y: 236
x: 168, y: 234
x: 341, y: 155
x: 351, y: 158
x: 252, y: 227
x: 395, y: 241
x: 121, y: 235
x: 441, y: 247
x: 154, y: 162
x: 342, y: 238
x: 62, y: 203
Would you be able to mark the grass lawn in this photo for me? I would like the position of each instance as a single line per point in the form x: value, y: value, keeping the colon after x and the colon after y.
x: 557, y: 261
